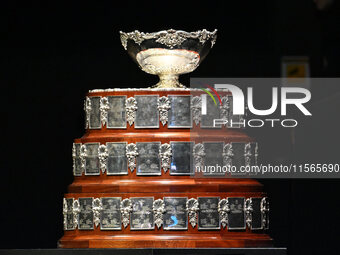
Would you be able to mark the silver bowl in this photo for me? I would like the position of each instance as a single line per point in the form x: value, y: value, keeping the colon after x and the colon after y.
x: 168, y: 53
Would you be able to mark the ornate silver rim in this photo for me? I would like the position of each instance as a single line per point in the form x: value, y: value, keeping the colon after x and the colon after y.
x: 170, y: 38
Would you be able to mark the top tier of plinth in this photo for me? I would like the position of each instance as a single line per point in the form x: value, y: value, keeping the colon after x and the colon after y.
x: 158, y: 110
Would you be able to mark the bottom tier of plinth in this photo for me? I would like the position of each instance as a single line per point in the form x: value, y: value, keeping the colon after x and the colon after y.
x: 236, y: 240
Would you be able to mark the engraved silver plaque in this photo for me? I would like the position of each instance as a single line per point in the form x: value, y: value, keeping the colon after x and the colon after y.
x: 213, y: 112
x: 110, y: 217
x: 208, y: 216
x: 148, y: 161
x: 77, y: 166
x: 180, y: 111
x: 70, y: 224
x: 256, y: 221
x: 95, y: 121
x: 117, y: 160
x: 213, y: 161
x: 234, y: 121
x: 147, y: 115
x: 141, y: 217
x: 238, y: 156
x: 92, y: 165
x: 181, y: 160
x: 176, y: 215
x: 85, y: 214
x: 236, y: 216
x: 116, y: 117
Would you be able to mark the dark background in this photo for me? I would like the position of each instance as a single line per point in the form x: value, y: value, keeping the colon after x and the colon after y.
x: 57, y: 51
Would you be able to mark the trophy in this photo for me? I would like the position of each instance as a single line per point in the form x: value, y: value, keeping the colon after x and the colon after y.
x: 133, y: 169
x: 168, y: 53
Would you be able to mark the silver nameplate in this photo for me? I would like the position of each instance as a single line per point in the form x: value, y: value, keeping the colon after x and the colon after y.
x: 238, y: 156
x: 141, y: 217
x: 208, y: 216
x: 70, y: 224
x: 92, y: 166
x: 236, y: 215
x: 116, y: 117
x: 176, y: 215
x: 116, y: 161
x: 147, y: 114
x: 213, y: 160
x: 110, y: 217
x: 181, y: 160
x: 77, y: 168
x: 180, y: 111
x: 234, y: 121
x: 213, y: 112
x: 148, y: 161
x: 95, y: 122
x: 256, y: 216
x: 85, y: 214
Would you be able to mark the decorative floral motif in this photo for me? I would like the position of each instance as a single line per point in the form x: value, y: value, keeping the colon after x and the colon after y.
x: 165, y: 155
x: 206, y: 35
x: 163, y: 106
x: 136, y: 36
x: 256, y: 154
x: 83, y: 156
x: 74, y: 155
x: 103, y: 155
x: 248, y: 208
x: 131, y: 108
x: 97, y: 207
x: 76, y: 210
x: 247, y: 154
x: 158, y: 210
x: 192, y: 208
x: 196, y: 106
x: 170, y: 38
x: 65, y: 210
x: 265, y: 212
x: 87, y: 108
x: 104, y: 107
x: 223, y: 210
x: 131, y: 154
x: 225, y: 108
x: 228, y: 155
x: 125, y: 209
x: 199, y: 154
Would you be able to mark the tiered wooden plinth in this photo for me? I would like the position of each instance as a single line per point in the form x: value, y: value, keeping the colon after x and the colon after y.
x: 165, y: 185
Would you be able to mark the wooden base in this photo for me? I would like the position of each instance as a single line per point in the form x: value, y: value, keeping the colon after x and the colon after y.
x: 160, y: 238
x: 131, y: 185
x: 235, y: 240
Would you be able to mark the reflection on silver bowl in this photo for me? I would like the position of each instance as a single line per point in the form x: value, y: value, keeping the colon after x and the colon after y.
x: 168, y: 53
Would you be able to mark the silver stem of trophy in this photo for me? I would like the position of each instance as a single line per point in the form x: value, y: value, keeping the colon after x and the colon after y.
x: 168, y: 81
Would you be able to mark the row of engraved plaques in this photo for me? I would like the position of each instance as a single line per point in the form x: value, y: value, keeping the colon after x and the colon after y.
x: 173, y: 213
x: 146, y: 111
x: 149, y: 158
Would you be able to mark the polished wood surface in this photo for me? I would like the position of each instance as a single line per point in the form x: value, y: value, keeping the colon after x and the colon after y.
x: 214, y: 240
x: 165, y: 185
